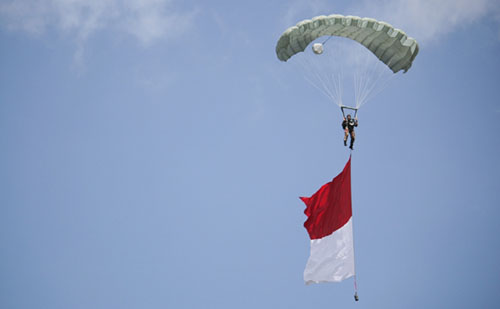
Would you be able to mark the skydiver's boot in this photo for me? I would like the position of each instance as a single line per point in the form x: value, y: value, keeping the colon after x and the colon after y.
x: 352, y: 143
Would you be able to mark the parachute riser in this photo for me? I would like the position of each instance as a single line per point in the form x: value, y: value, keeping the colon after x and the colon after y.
x: 342, y: 107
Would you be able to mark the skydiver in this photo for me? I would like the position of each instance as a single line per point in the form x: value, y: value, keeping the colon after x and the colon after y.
x: 348, y: 126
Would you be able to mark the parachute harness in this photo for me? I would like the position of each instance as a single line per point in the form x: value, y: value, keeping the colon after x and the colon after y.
x: 347, y: 107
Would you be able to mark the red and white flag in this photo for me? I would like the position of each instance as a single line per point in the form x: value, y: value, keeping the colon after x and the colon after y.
x: 329, y: 225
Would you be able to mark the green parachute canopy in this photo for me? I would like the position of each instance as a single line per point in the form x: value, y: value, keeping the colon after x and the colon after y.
x: 392, y: 46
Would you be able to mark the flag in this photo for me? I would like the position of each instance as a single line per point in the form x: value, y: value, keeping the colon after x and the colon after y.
x: 329, y: 224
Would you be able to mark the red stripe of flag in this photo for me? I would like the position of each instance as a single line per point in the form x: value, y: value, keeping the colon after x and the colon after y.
x: 330, y: 207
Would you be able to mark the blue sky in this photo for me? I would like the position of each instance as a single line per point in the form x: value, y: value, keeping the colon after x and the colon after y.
x: 153, y: 153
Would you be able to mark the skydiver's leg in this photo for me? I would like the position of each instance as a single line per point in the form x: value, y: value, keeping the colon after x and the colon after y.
x: 346, y: 134
x: 353, y: 137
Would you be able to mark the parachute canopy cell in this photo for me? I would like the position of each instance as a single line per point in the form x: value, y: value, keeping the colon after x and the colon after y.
x: 392, y: 46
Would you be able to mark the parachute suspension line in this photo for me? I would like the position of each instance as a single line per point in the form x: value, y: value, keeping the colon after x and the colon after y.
x: 366, y: 88
x: 381, y: 81
x: 336, y: 79
x: 357, y: 86
x: 370, y: 82
x: 329, y: 84
x: 323, y: 87
x: 362, y: 76
x: 338, y: 84
x: 327, y: 72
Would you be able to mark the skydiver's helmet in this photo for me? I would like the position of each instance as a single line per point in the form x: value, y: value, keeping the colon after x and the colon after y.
x: 317, y: 48
x: 349, y: 117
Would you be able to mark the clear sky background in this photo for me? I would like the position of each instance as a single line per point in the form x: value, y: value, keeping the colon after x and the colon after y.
x: 153, y: 152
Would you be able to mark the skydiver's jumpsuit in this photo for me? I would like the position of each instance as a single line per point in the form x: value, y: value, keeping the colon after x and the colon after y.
x: 348, y: 126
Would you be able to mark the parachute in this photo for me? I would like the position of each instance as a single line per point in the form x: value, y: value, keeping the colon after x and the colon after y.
x: 391, y: 46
